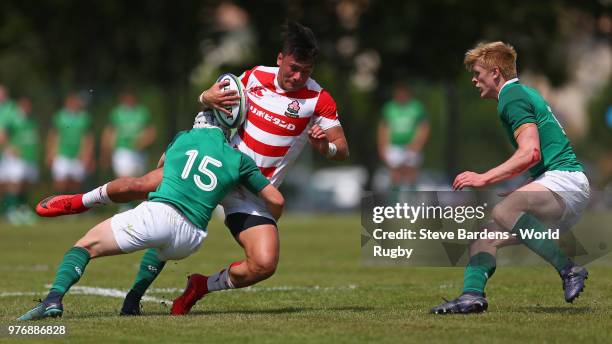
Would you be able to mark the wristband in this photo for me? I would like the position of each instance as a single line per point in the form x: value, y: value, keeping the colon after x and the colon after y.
x: 331, y: 150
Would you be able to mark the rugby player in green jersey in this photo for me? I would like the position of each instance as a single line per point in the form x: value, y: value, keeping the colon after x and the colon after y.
x: 558, y: 190
x: 70, y: 145
x: 402, y: 134
x: 8, y: 112
x: 20, y: 163
x: 200, y: 168
x: 126, y: 137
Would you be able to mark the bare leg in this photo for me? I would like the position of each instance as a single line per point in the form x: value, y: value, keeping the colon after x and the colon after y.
x: 100, y: 241
x: 261, y: 247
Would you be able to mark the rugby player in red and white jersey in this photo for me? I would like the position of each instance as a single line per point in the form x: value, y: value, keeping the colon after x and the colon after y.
x: 286, y: 108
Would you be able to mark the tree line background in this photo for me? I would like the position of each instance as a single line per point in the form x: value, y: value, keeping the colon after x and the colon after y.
x: 161, y: 48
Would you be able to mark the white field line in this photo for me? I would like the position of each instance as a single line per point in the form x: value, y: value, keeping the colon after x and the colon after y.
x: 118, y: 293
x: 82, y: 290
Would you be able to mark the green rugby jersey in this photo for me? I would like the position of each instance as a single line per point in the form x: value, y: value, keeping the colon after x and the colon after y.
x: 129, y: 123
x: 403, y: 120
x: 519, y: 104
x: 200, y: 169
x: 8, y: 112
x: 71, y: 127
x: 23, y: 134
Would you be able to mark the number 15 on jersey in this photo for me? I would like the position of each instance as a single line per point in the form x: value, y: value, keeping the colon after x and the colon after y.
x: 203, y: 168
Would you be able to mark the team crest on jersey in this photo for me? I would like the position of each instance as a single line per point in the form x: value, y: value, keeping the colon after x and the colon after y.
x: 292, y: 109
x: 257, y: 91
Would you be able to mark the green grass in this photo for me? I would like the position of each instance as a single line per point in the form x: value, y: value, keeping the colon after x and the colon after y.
x: 320, y: 293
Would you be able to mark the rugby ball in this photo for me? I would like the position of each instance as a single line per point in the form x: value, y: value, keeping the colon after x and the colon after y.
x: 238, y: 111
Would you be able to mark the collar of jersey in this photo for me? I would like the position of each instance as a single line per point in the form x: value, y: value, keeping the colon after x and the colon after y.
x: 513, y: 80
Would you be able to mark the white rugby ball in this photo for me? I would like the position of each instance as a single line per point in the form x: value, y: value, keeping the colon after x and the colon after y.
x: 238, y: 111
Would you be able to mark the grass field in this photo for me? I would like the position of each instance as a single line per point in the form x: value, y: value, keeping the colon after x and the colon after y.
x: 320, y: 293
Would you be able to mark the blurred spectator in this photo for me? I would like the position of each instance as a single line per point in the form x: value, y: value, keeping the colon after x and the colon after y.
x: 402, y: 133
x: 609, y: 116
x: 7, y: 113
x: 20, y: 163
x: 8, y: 108
x: 127, y: 135
x: 70, y: 145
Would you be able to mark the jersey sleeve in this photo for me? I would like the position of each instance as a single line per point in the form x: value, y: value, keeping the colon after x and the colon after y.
x: 244, y: 77
x: 325, y: 113
x: 250, y: 176
x: 518, y: 112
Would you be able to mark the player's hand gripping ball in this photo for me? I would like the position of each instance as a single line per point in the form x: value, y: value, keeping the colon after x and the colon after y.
x: 238, y: 111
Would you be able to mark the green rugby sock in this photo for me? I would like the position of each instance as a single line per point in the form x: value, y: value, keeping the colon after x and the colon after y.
x: 70, y: 270
x: 479, y: 269
x: 150, y: 267
x: 545, y: 248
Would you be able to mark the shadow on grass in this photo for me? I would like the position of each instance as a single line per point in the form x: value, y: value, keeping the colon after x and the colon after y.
x: 273, y: 311
x: 555, y: 310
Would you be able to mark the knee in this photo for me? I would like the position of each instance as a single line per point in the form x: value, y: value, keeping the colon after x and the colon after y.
x: 264, y: 266
x: 504, y: 216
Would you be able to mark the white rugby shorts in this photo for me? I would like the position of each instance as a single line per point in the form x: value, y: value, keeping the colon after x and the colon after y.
x: 64, y: 168
x: 573, y: 188
x: 241, y: 200
x: 398, y: 156
x: 15, y: 170
x: 157, y: 225
x: 128, y: 163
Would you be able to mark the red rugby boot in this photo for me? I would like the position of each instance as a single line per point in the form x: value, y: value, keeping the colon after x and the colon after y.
x: 197, y: 287
x: 59, y: 205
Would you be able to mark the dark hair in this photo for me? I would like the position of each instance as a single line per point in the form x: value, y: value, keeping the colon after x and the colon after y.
x: 299, y: 41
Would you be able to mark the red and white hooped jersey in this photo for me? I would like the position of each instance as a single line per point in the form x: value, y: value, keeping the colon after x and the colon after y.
x: 276, y: 126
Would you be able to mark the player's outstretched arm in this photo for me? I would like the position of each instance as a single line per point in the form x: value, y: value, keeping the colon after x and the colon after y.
x: 126, y: 189
x: 120, y: 190
x: 274, y: 200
